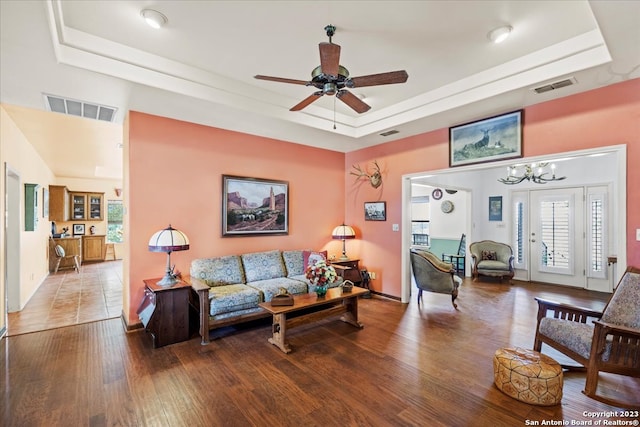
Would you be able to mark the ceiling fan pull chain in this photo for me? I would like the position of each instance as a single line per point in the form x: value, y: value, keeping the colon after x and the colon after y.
x: 334, y: 113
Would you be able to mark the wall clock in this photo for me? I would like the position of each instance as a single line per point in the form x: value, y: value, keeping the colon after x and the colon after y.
x: 436, y: 194
x: 447, y: 206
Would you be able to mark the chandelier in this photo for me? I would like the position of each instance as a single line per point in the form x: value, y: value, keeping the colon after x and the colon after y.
x: 535, y: 172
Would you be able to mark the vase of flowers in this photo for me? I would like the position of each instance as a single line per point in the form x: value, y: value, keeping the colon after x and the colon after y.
x: 321, y: 275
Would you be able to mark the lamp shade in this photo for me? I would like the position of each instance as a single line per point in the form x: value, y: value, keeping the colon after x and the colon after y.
x: 168, y: 240
x: 343, y: 232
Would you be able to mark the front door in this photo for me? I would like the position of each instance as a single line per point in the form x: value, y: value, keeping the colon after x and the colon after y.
x: 557, y: 236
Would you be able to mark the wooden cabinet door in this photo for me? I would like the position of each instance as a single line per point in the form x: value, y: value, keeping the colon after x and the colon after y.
x: 58, y: 203
x: 86, y: 206
x: 78, y: 206
x: 94, y: 201
x: 93, y: 248
x: 71, y: 246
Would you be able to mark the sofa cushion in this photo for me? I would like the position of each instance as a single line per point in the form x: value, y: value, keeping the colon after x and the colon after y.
x: 271, y: 287
x: 263, y: 265
x: 293, y: 262
x: 220, y: 271
x: 232, y: 298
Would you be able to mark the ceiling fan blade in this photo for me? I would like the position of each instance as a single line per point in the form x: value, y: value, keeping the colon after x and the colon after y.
x: 308, y: 100
x: 329, y: 58
x: 353, y: 101
x: 282, y: 80
x: 389, y: 78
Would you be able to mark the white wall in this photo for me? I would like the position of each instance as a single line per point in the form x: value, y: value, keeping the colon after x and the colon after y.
x: 17, y: 152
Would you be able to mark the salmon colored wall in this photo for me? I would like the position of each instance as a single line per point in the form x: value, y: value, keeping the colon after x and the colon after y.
x: 175, y: 177
x: 602, y: 117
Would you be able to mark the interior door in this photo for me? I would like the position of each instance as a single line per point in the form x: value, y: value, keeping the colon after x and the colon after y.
x: 557, y: 241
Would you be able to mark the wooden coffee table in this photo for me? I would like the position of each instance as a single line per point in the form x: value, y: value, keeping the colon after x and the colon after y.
x: 336, y: 302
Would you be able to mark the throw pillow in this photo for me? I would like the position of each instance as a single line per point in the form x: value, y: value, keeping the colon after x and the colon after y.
x: 489, y: 255
x: 311, y: 257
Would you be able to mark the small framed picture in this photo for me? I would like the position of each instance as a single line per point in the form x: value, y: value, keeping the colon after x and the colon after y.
x: 78, y: 229
x: 495, y: 208
x: 375, y: 211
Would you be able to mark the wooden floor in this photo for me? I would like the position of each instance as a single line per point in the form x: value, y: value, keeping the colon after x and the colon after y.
x: 409, y: 366
x: 69, y: 298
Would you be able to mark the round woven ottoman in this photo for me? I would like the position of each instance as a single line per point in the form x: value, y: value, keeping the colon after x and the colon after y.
x: 528, y: 376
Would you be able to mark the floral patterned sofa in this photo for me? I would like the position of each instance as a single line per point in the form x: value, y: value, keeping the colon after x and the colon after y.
x: 229, y: 288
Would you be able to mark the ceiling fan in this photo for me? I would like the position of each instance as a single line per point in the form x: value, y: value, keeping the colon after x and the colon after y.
x: 332, y: 78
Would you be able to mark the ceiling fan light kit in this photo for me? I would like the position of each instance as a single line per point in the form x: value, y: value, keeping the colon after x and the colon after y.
x: 331, y: 78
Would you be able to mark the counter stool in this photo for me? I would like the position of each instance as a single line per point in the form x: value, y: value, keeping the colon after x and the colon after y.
x: 110, y: 251
x: 528, y: 376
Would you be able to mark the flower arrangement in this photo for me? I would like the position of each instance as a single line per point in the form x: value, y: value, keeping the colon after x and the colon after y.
x: 321, y: 274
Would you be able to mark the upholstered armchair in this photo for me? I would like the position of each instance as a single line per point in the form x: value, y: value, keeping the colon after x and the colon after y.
x: 492, y: 259
x: 610, y: 343
x: 433, y: 275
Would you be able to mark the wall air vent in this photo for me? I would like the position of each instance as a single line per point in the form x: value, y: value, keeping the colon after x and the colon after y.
x: 389, y: 132
x: 74, y: 107
x: 556, y: 85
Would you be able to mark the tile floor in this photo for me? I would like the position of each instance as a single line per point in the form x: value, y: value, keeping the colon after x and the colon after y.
x: 68, y: 298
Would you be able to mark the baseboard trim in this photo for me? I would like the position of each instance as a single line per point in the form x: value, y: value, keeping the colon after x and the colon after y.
x: 380, y: 294
x: 130, y: 328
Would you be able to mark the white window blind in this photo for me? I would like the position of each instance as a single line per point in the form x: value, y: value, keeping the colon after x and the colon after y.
x: 556, y: 235
x: 596, y: 232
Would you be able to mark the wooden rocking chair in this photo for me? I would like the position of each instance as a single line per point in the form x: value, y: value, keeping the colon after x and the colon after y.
x: 611, y: 343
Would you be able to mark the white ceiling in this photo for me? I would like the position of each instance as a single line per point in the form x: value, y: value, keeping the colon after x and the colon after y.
x: 200, y: 66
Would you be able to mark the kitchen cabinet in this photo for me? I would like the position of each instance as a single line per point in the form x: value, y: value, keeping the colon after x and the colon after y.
x: 93, y: 248
x: 86, y: 206
x: 58, y: 203
x: 71, y: 246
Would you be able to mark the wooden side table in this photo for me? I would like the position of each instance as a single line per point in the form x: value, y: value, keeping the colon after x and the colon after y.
x: 166, y: 312
x: 348, y: 270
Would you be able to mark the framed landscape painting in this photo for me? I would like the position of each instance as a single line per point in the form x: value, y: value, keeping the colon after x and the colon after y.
x: 254, y: 206
x: 487, y: 140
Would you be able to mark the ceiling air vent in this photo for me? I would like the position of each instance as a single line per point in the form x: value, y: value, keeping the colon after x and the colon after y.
x: 389, y: 132
x: 556, y: 85
x: 74, y: 107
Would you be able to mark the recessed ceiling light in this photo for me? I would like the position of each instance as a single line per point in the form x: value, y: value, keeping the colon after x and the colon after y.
x: 153, y: 18
x: 500, y: 34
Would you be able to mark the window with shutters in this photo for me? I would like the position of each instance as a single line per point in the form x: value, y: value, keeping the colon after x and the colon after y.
x: 519, y: 240
x: 556, y: 236
x: 596, y: 233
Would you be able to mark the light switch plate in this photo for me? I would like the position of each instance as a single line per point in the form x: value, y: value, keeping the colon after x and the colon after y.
x: 395, y: 227
x: 638, y: 234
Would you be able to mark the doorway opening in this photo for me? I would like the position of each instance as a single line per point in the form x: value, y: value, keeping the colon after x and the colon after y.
x: 605, y: 165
